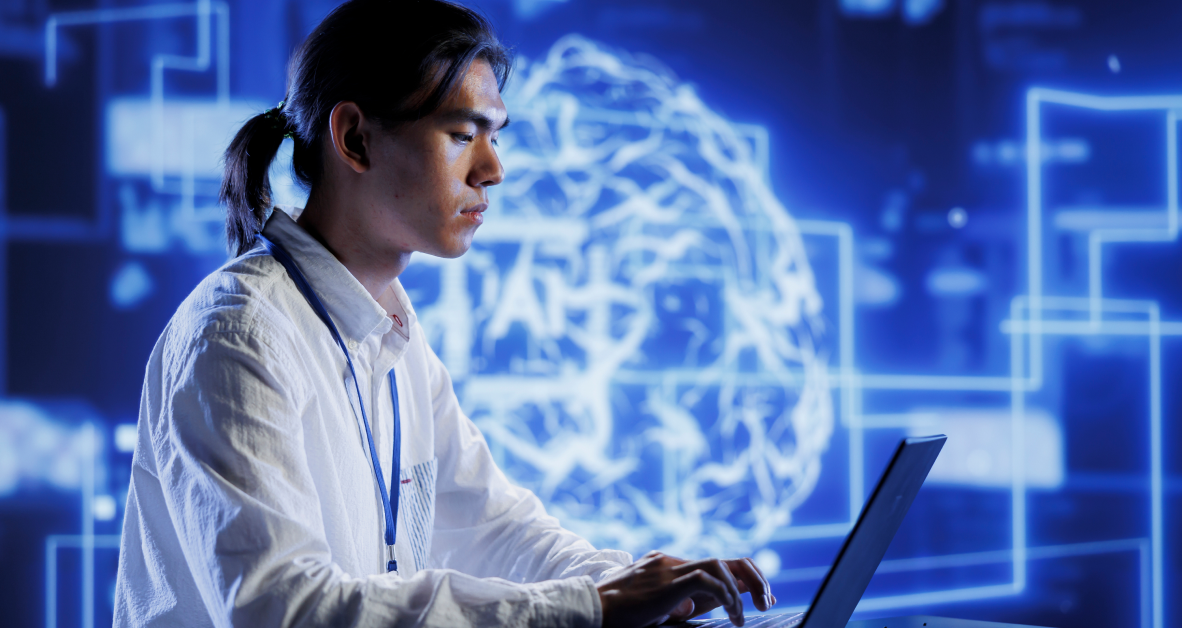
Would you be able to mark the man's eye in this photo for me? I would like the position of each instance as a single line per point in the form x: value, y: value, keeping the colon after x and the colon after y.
x: 462, y: 137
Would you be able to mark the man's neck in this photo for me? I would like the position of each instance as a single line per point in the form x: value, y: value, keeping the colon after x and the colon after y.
x: 349, y: 240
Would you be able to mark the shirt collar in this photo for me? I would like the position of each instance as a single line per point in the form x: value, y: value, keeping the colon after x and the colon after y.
x: 353, y: 310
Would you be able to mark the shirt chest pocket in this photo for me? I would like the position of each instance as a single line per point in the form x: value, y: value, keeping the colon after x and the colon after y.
x: 418, y: 485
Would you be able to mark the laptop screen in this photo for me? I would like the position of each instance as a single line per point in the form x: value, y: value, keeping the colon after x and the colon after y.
x: 866, y: 544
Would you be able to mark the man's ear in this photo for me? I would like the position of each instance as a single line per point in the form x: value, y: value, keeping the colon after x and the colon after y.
x: 349, y: 132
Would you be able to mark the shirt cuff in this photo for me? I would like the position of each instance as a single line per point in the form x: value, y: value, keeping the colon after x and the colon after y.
x: 567, y: 603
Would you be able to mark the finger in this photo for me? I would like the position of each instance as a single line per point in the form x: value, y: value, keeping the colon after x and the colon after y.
x: 719, y: 570
x: 766, y: 583
x: 684, y: 611
x: 753, y: 580
x: 732, y: 583
x: 763, y: 575
x: 704, y: 604
x: 701, y: 582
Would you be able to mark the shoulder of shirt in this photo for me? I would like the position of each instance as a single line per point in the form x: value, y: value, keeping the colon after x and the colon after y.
x: 249, y: 294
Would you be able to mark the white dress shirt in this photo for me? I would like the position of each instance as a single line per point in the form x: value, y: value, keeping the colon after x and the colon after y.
x: 253, y: 500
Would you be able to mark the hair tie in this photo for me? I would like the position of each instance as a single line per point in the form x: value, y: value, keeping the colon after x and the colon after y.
x: 279, y: 121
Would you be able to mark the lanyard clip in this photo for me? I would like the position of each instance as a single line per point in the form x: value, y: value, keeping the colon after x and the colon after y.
x: 391, y: 553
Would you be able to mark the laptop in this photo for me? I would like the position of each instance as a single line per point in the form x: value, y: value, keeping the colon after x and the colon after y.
x: 863, y: 548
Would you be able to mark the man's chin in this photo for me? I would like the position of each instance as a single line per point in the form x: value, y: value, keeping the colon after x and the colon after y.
x: 457, y: 248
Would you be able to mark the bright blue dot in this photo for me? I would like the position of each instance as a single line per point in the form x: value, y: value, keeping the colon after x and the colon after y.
x: 131, y: 284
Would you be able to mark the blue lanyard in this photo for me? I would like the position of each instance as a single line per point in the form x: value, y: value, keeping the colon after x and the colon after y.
x: 392, y: 504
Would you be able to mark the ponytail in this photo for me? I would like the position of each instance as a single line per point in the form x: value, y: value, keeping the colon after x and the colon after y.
x: 246, y: 187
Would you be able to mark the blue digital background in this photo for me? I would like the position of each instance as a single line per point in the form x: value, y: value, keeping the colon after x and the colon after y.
x: 742, y: 249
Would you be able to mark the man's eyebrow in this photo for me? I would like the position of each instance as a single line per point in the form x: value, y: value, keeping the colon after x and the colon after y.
x: 474, y: 116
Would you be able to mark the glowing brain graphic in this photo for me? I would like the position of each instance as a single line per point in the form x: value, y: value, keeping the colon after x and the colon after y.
x: 634, y: 327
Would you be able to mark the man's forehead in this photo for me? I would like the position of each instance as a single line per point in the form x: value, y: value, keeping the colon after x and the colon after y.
x: 486, y: 117
x: 477, y: 100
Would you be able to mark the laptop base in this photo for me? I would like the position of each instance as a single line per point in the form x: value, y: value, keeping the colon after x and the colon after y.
x: 925, y: 621
x: 791, y: 620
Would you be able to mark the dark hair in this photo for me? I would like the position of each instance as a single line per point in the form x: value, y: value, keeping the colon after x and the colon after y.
x: 397, y: 60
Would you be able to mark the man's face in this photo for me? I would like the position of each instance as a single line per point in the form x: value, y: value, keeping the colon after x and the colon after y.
x: 432, y: 175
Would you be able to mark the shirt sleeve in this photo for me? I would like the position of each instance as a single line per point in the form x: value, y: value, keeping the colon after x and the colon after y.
x: 228, y: 445
x: 487, y: 526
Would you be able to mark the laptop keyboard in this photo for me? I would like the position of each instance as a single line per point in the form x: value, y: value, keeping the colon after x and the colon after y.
x: 787, y: 620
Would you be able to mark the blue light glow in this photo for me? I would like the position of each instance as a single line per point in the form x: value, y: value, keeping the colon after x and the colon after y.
x: 704, y: 304
x: 131, y: 284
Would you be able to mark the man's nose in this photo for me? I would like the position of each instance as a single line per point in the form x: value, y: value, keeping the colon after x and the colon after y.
x: 488, y: 170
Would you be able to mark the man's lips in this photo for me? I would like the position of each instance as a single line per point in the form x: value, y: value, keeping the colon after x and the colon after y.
x: 475, y: 213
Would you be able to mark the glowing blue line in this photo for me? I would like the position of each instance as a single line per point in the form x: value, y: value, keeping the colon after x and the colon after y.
x: 1151, y: 309
x: 945, y: 596
x: 1089, y: 328
x: 1033, y: 191
x: 1016, y: 385
x: 203, y: 10
x: 1016, y: 363
x: 850, y: 389
x: 1096, y: 239
x: 1146, y: 569
x: 1095, y: 242
x: 89, y: 528
x: 1099, y: 237
x: 898, y: 419
x: 199, y: 63
x: 1173, y: 117
x: 1096, y: 303
x: 801, y: 574
x: 99, y: 541
x: 857, y: 476
x: 104, y: 16
x: 935, y: 382
x: 1019, y: 386
x: 1107, y: 103
x: 1046, y: 552
x: 1156, y: 516
x: 819, y: 531
x: 991, y: 591
x: 51, y: 582
x: 1081, y: 304
x: 55, y: 541
x: 1033, y: 326
x: 1033, y: 176
x: 1002, y: 556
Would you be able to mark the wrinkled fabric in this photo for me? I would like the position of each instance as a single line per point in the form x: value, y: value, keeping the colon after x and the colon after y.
x: 252, y: 499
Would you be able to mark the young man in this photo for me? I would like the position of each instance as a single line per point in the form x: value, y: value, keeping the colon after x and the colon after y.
x: 299, y: 441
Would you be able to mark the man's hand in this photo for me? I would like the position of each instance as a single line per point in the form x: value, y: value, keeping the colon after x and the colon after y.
x: 660, y: 588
